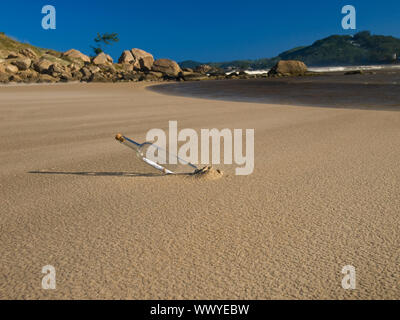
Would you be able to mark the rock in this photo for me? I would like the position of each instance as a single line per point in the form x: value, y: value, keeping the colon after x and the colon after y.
x: 9, y: 68
x: 45, y: 78
x: 348, y: 73
x: 130, y: 76
x: 127, y: 67
x: 98, y: 77
x: 42, y: 66
x: 94, y: 69
x: 75, y: 54
x: 74, y: 67
x: 28, y: 75
x: 55, y: 69
x: 102, y: 59
x: 156, y: 74
x: 194, y: 76
x: 86, y: 74
x: 204, y: 68
x: 54, y: 53
x: 288, y: 68
x: 153, y: 76
x: 76, y: 75
x: 110, y: 59
x: 4, y: 78
x: 12, y: 55
x: 107, y: 69
x: 4, y: 53
x: 188, y: 70
x: 22, y: 63
x: 29, y: 53
x: 167, y: 66
x: 126, y: 58
x: 66, y: 76
x: 142, y: 59
x: 15, y: 78
x: 218, y: 72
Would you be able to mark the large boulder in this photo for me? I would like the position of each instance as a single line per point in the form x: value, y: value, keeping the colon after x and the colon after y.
x: 8, y: 68
x: 126, y: 57
x: 167, y: 66
x: 42, y: 66
x: 102, y: 59
x: 29, y: 53
x: 22, y: 64
x: 75, y: 54
x: 288, y: 68
x: 142, y: 59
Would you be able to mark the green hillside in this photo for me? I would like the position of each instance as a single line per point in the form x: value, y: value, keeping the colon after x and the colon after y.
x: 362, y: 48
x: 9, y: 44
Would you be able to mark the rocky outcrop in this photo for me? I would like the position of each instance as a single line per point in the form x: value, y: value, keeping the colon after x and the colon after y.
x: 204, y: 69
x: 42, y: 66
x: 288, y: 68
x: 142, y: 59
x: 29, y: 75
x: 9, y: 68
x: 29, y: 53
x: 126, y: 58
x: 167, y: 66
x: 75, y: 54
x: 22, y: 64
x: 29, y: 64
x: 102, y: 59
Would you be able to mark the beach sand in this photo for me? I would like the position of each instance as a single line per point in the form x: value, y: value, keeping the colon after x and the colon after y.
x: 324, y: 194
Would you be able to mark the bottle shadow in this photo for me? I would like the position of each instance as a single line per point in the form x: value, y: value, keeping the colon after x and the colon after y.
x: 99, y: 174
x: 107, y: 174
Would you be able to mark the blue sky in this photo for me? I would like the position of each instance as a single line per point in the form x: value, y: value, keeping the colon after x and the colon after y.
x: 217, y: 30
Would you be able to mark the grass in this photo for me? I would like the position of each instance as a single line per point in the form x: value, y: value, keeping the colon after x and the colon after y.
x: 9, y: 44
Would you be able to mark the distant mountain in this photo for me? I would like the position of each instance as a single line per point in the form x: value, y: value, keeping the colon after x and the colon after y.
x: 362, y: 48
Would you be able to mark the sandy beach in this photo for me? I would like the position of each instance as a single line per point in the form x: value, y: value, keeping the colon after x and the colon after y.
x: 324, y: 194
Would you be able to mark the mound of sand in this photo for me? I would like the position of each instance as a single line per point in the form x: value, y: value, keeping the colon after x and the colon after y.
x: 208, y: 173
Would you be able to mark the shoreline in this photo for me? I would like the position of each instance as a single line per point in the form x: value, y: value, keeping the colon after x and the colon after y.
x: 377, y: 91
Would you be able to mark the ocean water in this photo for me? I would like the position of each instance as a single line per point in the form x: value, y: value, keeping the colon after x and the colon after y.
x: 335, y: 69
x: 354, y: 68
x: 379, y: 90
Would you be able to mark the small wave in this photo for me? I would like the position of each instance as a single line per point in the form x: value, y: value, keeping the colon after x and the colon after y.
x: 352, y: 68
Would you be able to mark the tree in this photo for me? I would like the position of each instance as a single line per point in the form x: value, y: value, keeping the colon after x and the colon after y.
x: 106, y: 39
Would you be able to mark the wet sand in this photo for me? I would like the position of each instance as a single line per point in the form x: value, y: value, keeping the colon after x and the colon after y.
x: 324, y: 194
